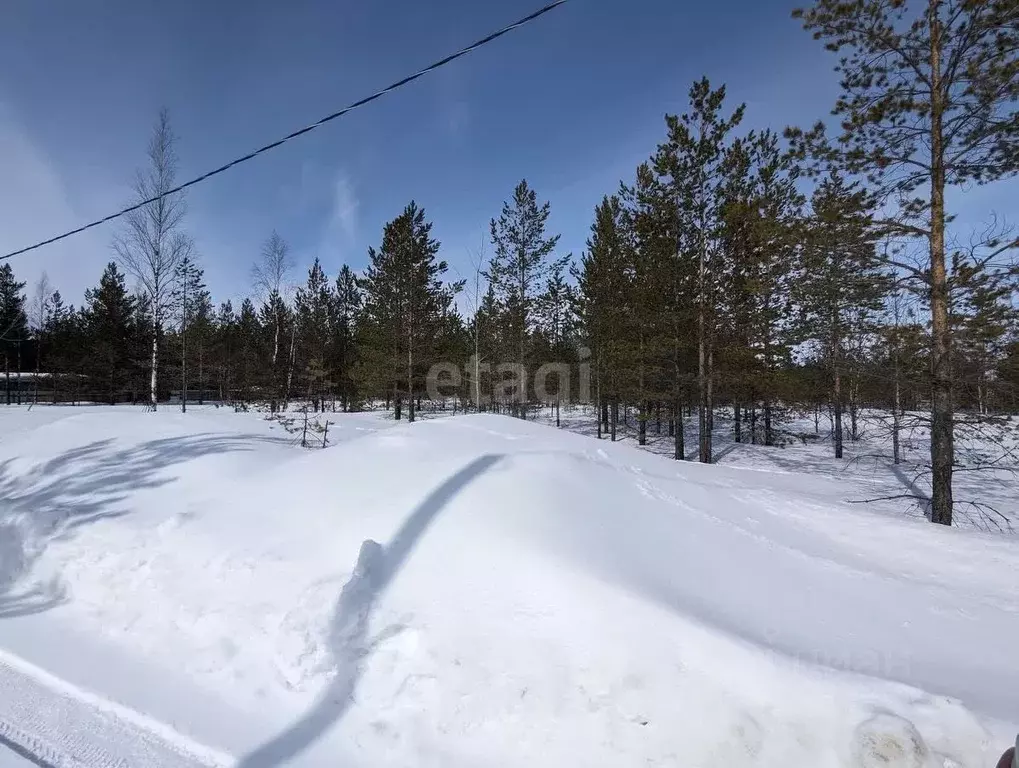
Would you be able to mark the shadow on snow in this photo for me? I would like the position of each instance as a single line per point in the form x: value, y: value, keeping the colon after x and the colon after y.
x: 375, y: 569
x: 83, y: 485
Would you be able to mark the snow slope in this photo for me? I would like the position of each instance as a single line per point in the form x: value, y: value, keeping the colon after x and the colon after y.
x: 483, y: 591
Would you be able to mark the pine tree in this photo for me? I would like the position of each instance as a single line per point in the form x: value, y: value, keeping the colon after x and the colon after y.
x: 519, y: 269
x: 405, y: 302
x: 601, y: 294
x: 841, y: 276
x: 313, y: 306
x: 13, y: 324
x: 690, y: 164
x: 929, y: 93
x: 649, y: 223
x: 346, y: 310
x: 487, y: 332
x: 248, y: 367
x: 556, y: 323
x: 981, y: 312
x: 777, y: 207
x: 739, y: 360
x: 109, y: 317
x: 224, y: 350
x: 1008, y: 370
x: 189, y: 292
x: 202, y: 330
x: 65, y: 342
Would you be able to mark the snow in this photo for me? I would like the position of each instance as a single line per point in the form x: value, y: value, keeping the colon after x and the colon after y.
x: 987, y: 459
x: 479, y: 590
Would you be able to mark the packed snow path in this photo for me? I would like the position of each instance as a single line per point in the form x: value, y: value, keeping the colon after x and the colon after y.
x: 48, y: 723
x: 481, y: 590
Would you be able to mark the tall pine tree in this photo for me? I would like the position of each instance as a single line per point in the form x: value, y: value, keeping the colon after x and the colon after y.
x: 928, y: 103
x: 110, y: 320
x: 691, y: 164
x: 518, y: 271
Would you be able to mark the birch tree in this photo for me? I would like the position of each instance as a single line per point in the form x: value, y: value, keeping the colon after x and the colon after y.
x: 40, y: 311
x: 152, y: 244
x: 271, y: 276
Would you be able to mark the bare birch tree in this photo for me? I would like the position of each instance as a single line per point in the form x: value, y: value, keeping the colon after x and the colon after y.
x: 39, y: 314
x: 270, y: 277
x: 152, y: 246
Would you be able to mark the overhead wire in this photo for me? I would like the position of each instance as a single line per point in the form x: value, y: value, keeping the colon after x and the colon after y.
x: 295, y: 134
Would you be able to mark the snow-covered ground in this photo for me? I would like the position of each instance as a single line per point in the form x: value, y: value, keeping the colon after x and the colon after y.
x: 986, y: 482
x: 197, y: 590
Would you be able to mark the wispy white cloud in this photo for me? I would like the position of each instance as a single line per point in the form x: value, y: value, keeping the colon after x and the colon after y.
x: 458, y: 117
x: 36, y: 203
x: 343, y: 215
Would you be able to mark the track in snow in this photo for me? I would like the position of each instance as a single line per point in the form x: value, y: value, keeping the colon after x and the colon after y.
x: 45, y: 722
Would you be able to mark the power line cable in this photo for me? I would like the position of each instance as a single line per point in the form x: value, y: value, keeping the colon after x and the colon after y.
x: 307, y: 129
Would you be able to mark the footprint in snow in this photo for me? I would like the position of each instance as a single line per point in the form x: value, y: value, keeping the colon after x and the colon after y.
x: 887, y: 740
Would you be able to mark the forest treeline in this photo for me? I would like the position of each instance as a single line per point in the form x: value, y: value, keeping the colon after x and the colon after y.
x: 750, y: 270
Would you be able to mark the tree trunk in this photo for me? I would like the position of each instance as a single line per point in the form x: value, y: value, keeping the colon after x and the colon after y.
x: 522, y: 286
x: 677, y: 424
x: 709, y: 411
x: 615, y: 418
x: 38, y: 354
x: 658, y: 417
x: 837, y: 414
x: 154, y: 378
x: 184, y: 352
x: 942, y: 415
x: 854, y: 412
x: 896, y: 454
x: 410, y: 377
x: 753, y: 423
x: 642, y: 425
x: 769, y: 437
x: 737, y: 423
x: 702, y: 406
x: 896, y: 412
x: 290, y: 365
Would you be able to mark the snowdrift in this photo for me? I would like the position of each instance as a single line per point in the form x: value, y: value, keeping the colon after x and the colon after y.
x: 484, y: 591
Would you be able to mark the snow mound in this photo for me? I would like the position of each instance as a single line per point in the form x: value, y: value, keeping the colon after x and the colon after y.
x: 484, y: 591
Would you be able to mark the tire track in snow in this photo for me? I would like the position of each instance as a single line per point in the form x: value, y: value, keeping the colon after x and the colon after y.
x: 55, y: 724
x: 26, y: 747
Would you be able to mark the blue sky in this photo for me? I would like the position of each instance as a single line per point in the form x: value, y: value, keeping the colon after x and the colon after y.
x: 572, y: 103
